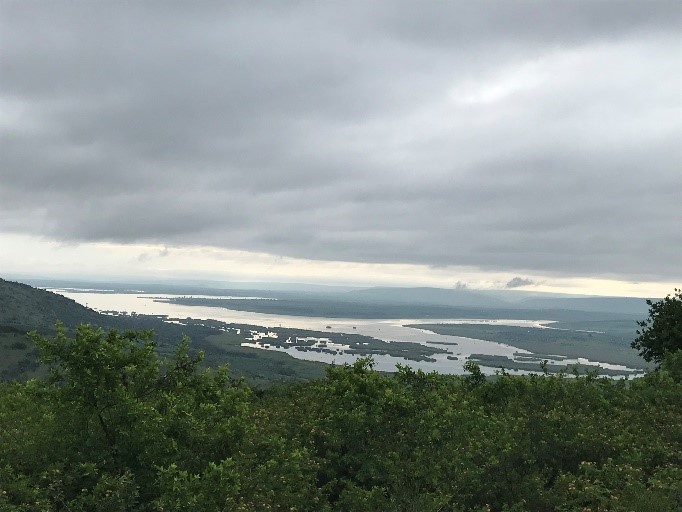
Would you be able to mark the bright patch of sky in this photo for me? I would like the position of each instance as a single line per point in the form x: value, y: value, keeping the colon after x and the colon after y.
x: 24, y: 256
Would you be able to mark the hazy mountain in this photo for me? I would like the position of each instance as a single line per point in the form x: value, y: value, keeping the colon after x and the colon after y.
x: 424, y: 295
x: 181, y: 286
x: 417, y: 296
x: 501, y: 299
x: 626, y: 305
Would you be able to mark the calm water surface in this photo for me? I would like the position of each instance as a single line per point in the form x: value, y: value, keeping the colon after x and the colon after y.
x: 392, y: 330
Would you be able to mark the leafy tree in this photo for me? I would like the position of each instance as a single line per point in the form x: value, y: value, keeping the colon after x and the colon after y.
x: 116, y: 428
x: 661, y: 332
x: 114, y: 418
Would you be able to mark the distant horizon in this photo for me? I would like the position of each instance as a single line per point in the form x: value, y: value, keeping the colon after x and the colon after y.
x: 302, y: 286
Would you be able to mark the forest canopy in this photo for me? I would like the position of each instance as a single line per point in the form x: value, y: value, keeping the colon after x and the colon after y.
x: 117, y: 428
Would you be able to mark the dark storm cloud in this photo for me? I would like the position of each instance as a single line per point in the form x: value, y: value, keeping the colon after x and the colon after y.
x: 506, y: 135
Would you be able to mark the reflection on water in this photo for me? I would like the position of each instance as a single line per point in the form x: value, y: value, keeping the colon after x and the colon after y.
x: 391, y: 330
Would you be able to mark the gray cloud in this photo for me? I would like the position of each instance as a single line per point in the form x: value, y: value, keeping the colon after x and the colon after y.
x: 146, y: 256
x: 517, y: 282
x: 512, y: 136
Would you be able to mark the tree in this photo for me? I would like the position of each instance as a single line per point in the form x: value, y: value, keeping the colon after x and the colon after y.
x: 123, y: 429
x: 661, y: 332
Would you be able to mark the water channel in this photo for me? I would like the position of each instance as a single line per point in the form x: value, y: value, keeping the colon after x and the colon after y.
x: 392, y: 330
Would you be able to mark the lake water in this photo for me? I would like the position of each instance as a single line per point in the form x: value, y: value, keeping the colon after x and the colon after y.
x: 392, y: 330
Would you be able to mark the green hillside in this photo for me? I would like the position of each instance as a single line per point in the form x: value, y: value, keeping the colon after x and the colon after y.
x: 24, y: 308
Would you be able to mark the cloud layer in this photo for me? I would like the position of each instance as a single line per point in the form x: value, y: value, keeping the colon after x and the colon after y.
x: 507, y: 136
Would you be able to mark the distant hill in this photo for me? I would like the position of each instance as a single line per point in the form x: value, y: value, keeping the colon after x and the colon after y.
x: 624, y: 305
x: 506, y: 299
x: 509, y: 299
x: 426, y: 295
x: 187, y: 287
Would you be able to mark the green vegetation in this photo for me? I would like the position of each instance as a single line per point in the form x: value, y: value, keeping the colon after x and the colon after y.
x: 116, y: 428
x: 24, y: 308
x: 661, y: 332
x: 125, y: 420
x: 609, y: 343
x: 18, y: 356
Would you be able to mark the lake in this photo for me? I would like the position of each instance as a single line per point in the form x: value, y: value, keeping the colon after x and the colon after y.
x: 392, y: 330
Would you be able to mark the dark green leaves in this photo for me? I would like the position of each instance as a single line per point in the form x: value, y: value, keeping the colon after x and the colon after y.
x: 661, y: 333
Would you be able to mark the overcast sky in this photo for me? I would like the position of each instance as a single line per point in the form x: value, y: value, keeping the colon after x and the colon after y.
x: 516, y: 143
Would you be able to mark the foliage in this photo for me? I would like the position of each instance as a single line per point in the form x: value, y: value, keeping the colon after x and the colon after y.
x: 24, y: 308
x: 116, y: 428
x: 112, y: 412
x: 661, y: 332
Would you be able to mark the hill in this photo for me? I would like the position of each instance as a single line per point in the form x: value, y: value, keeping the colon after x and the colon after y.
x: 621, y: 305
x: 501, y: 299
x: 24, y: 308
x: 426, y: 295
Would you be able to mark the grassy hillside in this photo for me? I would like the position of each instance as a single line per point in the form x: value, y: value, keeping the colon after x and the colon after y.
x: 24, y: 308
